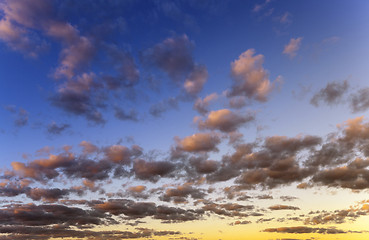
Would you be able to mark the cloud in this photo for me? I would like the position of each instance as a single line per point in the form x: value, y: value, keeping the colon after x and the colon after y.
x: 180, y: 193
x: 159, y: 108
x: 285, y: 18
x: 292, y: 47
x: 228, y: 209
x: 224, y: 120
x: 122, y: 61
x: 250, y: 78
x: 259, y: 7
x: 302, y: 229
x: 122, y: 154
x: 48, y: 195
x: 201, y: 105
x: 359, y: 101
x: 238, y: 222
x: 199, y: 142
x: 283, y: 207
x: 43, y: 233
x: 331, y: 94
x: 137, y: 189
x: 203, y: 166
x: 173, y: 56
x: 21, y: 118
x: 135, y: 210
x: 55, y: 129
x: 152, y: 170
x: 16, y: 36
x: 124, y: 115
x: 77, y: 96
x: 43, y: 215
x: 88, y: 147
x: 196, y: 80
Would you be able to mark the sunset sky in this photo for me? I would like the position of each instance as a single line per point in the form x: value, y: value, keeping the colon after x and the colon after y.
x: 128, y: 119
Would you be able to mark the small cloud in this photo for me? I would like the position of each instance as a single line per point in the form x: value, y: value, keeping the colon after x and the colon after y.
x: 55, y: 129
x: 21, y: 118
x: 285, y: 18
x: 124, y: 115
x: 292, y: 47
x: 331, y: 94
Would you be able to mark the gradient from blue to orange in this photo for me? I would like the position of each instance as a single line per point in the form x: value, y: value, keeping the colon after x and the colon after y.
x: 117, y: 83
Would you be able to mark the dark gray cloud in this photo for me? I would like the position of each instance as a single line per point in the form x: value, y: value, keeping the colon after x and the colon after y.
x: 173, y: 56
x: 359, y: 101
x: 134, y: 210
x: 152, y: 171
x: 331, y: 94
x: 159, y: 108
x: 304, y: 229
x: 180, y: 194
x: 56, y: 129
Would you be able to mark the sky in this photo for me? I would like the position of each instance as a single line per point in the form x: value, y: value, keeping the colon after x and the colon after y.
x: 184, y: 119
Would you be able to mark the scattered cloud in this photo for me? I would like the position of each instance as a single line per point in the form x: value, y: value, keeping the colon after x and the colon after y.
x: 224, y: 120
x: 292, y: 47
x: 331, y: 94
x: 250, y: 78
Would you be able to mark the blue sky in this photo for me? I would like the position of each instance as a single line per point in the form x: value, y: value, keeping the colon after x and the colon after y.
x: 189, y: 84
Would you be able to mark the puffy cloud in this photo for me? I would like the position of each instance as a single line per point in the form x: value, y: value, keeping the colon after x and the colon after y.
x: 40, y: 169
x: 76, y: 96
x: 137, y: 189
x: 17, y: 16
x: 180, y: 193
x: 38, y: 15
x: 134, y: 210
x: 127, y: 72
x: 88, y: 147
x: 292, y: 47
x: 152, y: 170
x: 250, y: 78
x: 42, y: 215
x: 196, y: 80
x: 224, y: 120
x: 331, y: 94
x: 173, y: 56
x: 49, y: 195
x: 345, y: 177
x: 203, y: 166
x: 122, y: 154
x: 201, y: 105
x: 199, y: 142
